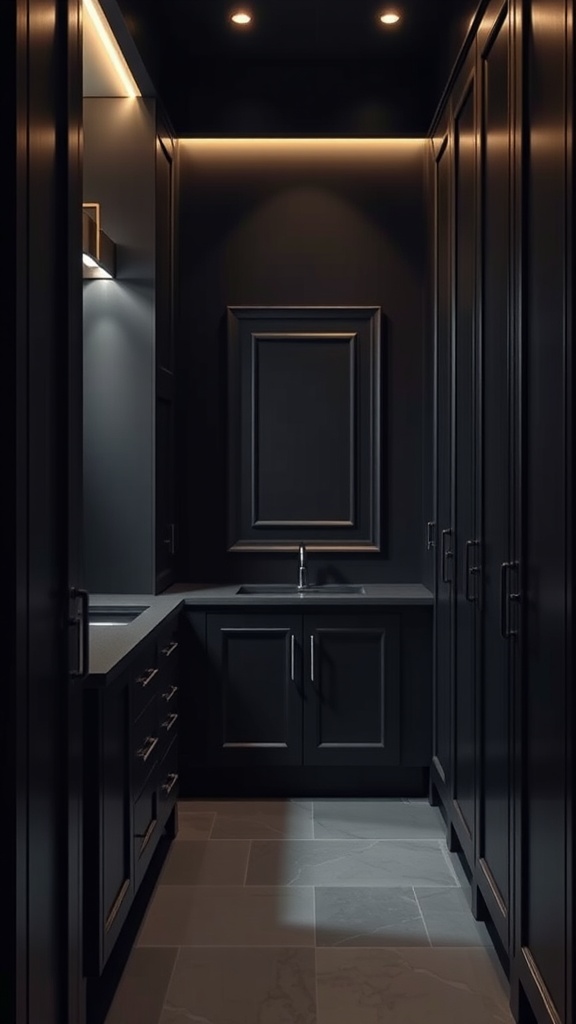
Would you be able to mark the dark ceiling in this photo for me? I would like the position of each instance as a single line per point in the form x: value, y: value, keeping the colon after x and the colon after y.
x: 303, y: 67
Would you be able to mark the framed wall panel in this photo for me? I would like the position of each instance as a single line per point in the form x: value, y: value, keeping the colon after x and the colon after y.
x: 304, y: 420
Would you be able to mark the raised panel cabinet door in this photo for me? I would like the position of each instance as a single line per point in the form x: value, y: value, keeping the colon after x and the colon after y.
x: 108, y: 868
x: 442, y: 722
x: 254, y: 703
x: 352, y: 689
x: 495, y: 680
x: 545, y: 814
x: 464, y: 440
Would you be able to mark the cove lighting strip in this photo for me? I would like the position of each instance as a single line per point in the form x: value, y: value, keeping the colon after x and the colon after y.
x: 113, y: 52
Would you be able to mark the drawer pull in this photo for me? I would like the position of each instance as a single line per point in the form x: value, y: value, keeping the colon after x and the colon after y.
x: 148, y: 835
x: 146, y: 750
x: 147, y: 677
x: 171, y: 781
x: 116, y: 905
x: 170, y: 721
x: 167, y: 651
x: 170, y: 693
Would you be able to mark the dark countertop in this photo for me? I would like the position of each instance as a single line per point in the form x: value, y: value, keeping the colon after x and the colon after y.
x: 110, y: 646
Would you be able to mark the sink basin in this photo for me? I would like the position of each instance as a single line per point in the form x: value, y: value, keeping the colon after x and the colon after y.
x: 114, y: 616
x: 291, y: 589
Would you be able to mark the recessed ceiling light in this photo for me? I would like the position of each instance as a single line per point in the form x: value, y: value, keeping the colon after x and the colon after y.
x: 241, y: 18
x: 389, y: 18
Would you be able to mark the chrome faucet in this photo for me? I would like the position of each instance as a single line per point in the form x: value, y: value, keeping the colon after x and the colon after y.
x: 302, y: 569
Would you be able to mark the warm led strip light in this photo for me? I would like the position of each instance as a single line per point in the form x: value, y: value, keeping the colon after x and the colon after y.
x: 111, y: 47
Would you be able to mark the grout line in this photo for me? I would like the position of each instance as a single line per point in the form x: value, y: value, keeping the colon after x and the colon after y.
x: 317, y: 1008
x: 228, y: 945
x: 315, y: 839
x: 338, y: 949
x: 167, y: 989
x: 247, y: 862
x: 422, y: 916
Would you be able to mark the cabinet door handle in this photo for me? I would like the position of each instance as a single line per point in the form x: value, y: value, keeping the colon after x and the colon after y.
x: 469, y: 570
x: 147, y: 836
x: 82, y: 620
x: 504, y: 590
x: 147, y: 677
x: 171, y: 781
x: 312, y: 657
x: 170, y: 539
x: 430, y: 535
x: 170, y: 721
x: 292, y: 657
x: 146, y: 750
x: 445, y: 555
x: 170, y: 693
x: 167, y: 651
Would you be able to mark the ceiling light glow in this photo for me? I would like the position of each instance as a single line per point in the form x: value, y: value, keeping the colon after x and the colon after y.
x: 389, y: 18
x: 241, y: 18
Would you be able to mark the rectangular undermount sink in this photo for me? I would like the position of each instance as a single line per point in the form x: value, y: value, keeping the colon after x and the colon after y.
x: 114, y: 616
x: 291, y: 589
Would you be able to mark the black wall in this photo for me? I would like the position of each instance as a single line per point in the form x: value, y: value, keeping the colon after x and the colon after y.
x: 288, y: 223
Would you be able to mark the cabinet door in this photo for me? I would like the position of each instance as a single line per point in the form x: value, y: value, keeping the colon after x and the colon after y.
x: 108, y: 869
x: 254, y: 706
x: 494, y: 753
x: 544, y: 816
x: 464, y: 471
x: 352, y: 689
x: 442, y: 731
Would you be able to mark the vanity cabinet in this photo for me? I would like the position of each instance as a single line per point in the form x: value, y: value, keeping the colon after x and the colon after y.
x: 303, y: 689
x: 319, y: 688
x: 131, y: 777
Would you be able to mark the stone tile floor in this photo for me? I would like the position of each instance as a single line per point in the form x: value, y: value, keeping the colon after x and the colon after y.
x: 311, y: 912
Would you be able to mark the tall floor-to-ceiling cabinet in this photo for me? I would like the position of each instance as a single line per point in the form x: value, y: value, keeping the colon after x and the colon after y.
x: 504, y: 714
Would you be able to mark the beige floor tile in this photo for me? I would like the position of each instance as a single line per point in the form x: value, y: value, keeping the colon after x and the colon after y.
x: 410, y: 986
x: 140, y: 996
x: 205, y: 862
x: 229, y: 916
x: 242, y: 986
x: 194, y: 825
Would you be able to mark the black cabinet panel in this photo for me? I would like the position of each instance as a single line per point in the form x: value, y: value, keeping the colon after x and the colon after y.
x: 165, y: 488
x: 304, y: 430
x: 352, y: 677
x: 253, y: 709
x: 464, y: 455
x: 164, y: 254
x: 304, y: 392
x: 546, y: 900
x: 444, y: 538
x: 496, y: 381
x: 108, y: 865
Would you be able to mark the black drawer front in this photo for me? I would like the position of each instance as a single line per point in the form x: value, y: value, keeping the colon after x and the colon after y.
x: 146, y: 684
x: 167, y: 728
x: 168, y: 782
x: 167, y: 652
x: 147, y: 828
x: 147, y: 741
x: 168, y: 697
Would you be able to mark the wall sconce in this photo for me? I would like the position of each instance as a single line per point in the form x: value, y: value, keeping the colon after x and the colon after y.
x: 98, y: 250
